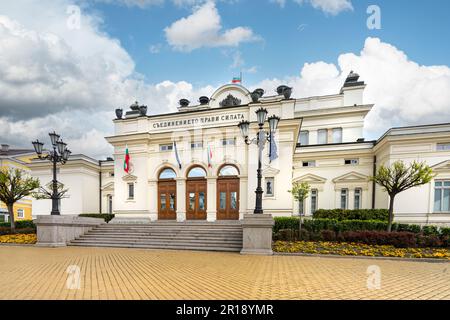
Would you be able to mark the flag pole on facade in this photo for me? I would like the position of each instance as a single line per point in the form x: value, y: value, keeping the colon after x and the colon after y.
x: 209, y: 157
x: 273, y: 149
x: 176, y: 154
x: 126, y: 163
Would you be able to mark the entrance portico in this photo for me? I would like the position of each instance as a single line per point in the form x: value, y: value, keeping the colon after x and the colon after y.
x: 193, y: 165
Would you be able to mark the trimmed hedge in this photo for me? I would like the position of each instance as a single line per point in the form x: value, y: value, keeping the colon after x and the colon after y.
x: 21, y: 224
x: 396, y: 239
x: 106, y: 216
x: 7, y: 230
x: 317, y: 225
x: 360, y: 214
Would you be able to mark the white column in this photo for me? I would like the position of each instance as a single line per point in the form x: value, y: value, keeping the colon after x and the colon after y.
x: 153, y: 199
x: 181, y: 199
x: 243, y: 196
x: 211, y: 199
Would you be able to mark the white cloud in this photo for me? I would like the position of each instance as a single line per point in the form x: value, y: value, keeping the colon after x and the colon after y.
x: 404, y: 92
x: 332, y: 7
x: 52, y: 77
x: 203, y: 28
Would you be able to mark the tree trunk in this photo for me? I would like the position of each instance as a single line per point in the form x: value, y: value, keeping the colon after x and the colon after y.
x: 391, y: 212
x: 300, y: 220
x: 11, y: 218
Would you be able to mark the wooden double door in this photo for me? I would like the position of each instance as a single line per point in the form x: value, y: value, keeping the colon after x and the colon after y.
x: 196, y: 199
x: 167, y: 200
x: 228, y: 199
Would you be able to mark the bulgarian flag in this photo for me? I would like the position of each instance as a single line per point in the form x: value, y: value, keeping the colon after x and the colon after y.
x: 126, y: 163
x: 237, y: 79
x: 210, y: 155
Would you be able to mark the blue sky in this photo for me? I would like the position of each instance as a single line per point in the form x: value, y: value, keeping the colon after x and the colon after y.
x: 79, y: 60
x: 290, y: 36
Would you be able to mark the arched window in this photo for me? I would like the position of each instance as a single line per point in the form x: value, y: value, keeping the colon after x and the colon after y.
x: 167, y: 174
x: 197, y: 172
x: 228, y: 170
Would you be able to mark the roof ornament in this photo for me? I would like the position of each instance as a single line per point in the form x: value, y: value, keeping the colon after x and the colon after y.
x: 352, y: 77
x: 203, y: 100
x: 285, y: 91
x: 256, y: 95
x: 184, y: 103
x: 230, y: 101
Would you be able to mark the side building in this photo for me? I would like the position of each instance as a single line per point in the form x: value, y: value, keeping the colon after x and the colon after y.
x: 20, y: 159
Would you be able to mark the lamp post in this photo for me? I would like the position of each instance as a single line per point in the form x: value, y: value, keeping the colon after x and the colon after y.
x: 260, y: 140
x: 60, y: 154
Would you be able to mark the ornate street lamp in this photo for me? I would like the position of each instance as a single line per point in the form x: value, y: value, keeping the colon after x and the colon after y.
x: 60, y: 154
x: 260, y: 140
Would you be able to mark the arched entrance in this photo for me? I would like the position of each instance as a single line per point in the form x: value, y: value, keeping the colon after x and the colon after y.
x: 196, y: 194
x: 228, y: 193
x: 167, y: 195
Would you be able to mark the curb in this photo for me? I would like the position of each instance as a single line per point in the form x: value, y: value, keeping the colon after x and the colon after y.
x: 428, y: 260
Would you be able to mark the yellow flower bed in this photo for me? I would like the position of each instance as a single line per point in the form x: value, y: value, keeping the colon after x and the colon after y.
x: 357, y: 249
x: 19, y: 238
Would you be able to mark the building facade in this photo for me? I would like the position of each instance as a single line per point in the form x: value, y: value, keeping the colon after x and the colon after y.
x: 10, y: 159
x: 194, y: 165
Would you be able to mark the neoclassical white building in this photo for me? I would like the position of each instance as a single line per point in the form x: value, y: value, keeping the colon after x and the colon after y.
x: 194, y: 165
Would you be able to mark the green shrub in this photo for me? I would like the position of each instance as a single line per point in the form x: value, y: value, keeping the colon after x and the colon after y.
x: 106, y: 216
x: 21, y: 224
x: 285, y: 223
x: 445, y: 232
x: 430, y: 230
x: 7, y: 230
x: 359, y: 214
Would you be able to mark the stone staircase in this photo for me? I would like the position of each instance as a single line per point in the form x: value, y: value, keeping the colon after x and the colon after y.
x: 218, y: 236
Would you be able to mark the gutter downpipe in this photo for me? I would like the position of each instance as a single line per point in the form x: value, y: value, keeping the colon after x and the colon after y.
x: 100, y: 185
x: 373, y: 182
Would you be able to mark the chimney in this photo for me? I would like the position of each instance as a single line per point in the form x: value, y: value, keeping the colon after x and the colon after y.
x: 5, y: 147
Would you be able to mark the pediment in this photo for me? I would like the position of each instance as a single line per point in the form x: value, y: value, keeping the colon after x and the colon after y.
x: 269, y: 171
x: 129, y: 178
x: 311, y: 178
x: 108, y: 187
x: 230, y: 95
x: 351, y: 177
x: 442, y: 166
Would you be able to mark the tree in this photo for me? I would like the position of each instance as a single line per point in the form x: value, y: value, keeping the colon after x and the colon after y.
x: 15, y: 184
x: 300, y: 191
x: 400, y: 177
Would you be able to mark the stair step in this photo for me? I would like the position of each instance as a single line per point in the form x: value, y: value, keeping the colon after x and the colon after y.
x: 221, y: 249
x: 162, y: 242
x: 167, y: 236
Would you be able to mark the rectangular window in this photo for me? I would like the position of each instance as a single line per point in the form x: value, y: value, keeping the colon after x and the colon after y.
x: 337, y: 135
x: 309, y: 163
x: 223, y: 200
x: 358, y: 197
x: 443, y: 146
x: 229, y: 142
x: 442, y: 196
x: 131, y: 191
x: 165, y: 147
x: 269, y: 187
x: 192, y: 201
x: 172, y: 201
x: 301, y: 208
x: 322, y: 136
x: 201, y: 201
x: 304, y: 138
x: 351, y: 162
x: 163, y: 201
x: 196, y: 145
x: 20, y: 214
x: 233, y: 200
x: 314, y: 200
x: 344, y: 199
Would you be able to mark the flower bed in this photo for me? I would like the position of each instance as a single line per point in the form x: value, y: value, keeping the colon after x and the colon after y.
x: 19, y: 238
x: 356, y: 249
